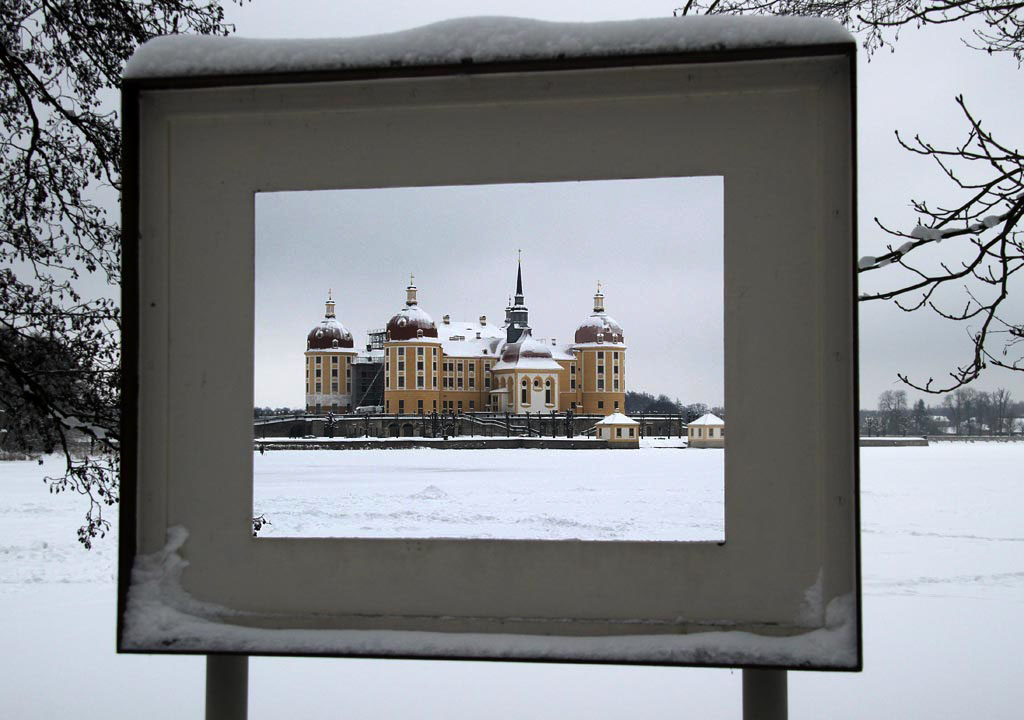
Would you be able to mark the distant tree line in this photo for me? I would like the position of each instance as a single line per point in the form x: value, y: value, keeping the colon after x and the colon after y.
x: 639, y: 403
x: 258, y: 412
x: 964, y: 411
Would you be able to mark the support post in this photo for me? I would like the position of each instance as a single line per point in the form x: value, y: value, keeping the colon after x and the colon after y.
x: 227, y: 687
x: 765, y: 695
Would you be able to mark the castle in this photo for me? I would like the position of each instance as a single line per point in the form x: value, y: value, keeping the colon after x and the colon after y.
x: 415, y: 367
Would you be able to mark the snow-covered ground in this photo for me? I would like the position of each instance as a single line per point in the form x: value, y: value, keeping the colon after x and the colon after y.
x: 943, y: 623
x: 649, y: 494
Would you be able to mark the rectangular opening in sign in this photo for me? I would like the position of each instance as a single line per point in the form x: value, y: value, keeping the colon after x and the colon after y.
x: 528, y: 361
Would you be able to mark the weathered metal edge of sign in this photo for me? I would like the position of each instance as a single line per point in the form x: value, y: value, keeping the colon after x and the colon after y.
x: 130, y: 290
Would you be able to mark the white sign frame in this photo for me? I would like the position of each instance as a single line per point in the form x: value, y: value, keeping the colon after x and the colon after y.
x: 782, y: 591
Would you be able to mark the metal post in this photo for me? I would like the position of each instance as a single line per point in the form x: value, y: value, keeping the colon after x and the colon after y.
x: 765, y: 695
x: 227, y: 687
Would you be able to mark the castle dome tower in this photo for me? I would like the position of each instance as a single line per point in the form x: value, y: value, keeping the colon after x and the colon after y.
x: 329, y: 332
x: 600, y: 350
x: 412, y: 359
x: 600, y: 326
x: 328, y: 359
x: 411, y: 321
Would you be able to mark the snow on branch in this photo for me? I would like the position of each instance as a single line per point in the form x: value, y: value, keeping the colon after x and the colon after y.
x: 988, y: 221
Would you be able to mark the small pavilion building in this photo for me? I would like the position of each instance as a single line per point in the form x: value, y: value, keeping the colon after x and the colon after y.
x: 619, y: 430
x: 707, y: 431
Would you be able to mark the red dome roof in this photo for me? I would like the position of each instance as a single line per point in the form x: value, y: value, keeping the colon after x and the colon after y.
x: 329, y: 334
x: 600, y: 323
x: 407, y: 323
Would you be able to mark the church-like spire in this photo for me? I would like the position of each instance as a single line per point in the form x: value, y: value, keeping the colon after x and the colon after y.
x: 329, y: 305
x: 520, y: 299
x: 599, y: 299
x: 518, y: 318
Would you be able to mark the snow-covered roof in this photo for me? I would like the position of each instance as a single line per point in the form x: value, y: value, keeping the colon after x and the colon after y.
x: 468, y: 329
x: 476, y: 40
x: 471, y: 347
x: 526, y: 354
x: 708, y: 419
x: 618, y: 419
x: 558, y: 351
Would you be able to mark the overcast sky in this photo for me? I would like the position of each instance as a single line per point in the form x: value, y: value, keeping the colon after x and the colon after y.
x: 912, y: 90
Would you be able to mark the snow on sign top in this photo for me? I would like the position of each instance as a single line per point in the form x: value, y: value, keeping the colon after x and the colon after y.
x: 475, y: 40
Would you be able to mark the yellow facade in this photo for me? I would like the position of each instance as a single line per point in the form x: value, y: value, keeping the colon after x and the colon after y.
x: 329, y: 380
x: 601, y: 379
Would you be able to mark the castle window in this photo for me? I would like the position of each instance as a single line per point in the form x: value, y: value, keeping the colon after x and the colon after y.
x: 600, y: 404
x: 600, y: 384
x: 419, y: 365
x: 419, y: 381
x: 434, y: 382
x: 487, y: 381
x: 318, y: 387
x: 547, y: 392
x: 524, y: 394
x: 460, y: 367
x: 572, y: 383
x: 401, y: 351
x: 632, y: 432
x: 460, y: 406
x: 435, y: 405
x: 615, y: 369
x: 460, y: 382
x: 472, y: 404
x: 600, y: 369
x: 348, y: 371
x: 615, y: 384
x: 472, y: 382
x: 401, y: 381
x: 572, y: 369
x: 318, y: 372
x: 401, y: 406
x: 317, y: 360
x: 536, y: 384
x: 434, y: 353
x: 419, y: 351
x: 600, y: 354
x: 334, y: 360
x: 334, y: 387
x: 618, y: 432
x: 348, y: 386
x: 419, y: 406
x: 615, y: 355
x: 334, y: 372
x: 616, y: 404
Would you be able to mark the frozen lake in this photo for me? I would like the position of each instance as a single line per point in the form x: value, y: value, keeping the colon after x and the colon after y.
x: 943, y: 567
x: 647, y: 494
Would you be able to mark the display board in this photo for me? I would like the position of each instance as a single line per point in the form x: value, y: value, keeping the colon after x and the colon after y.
x: 774, y: 118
